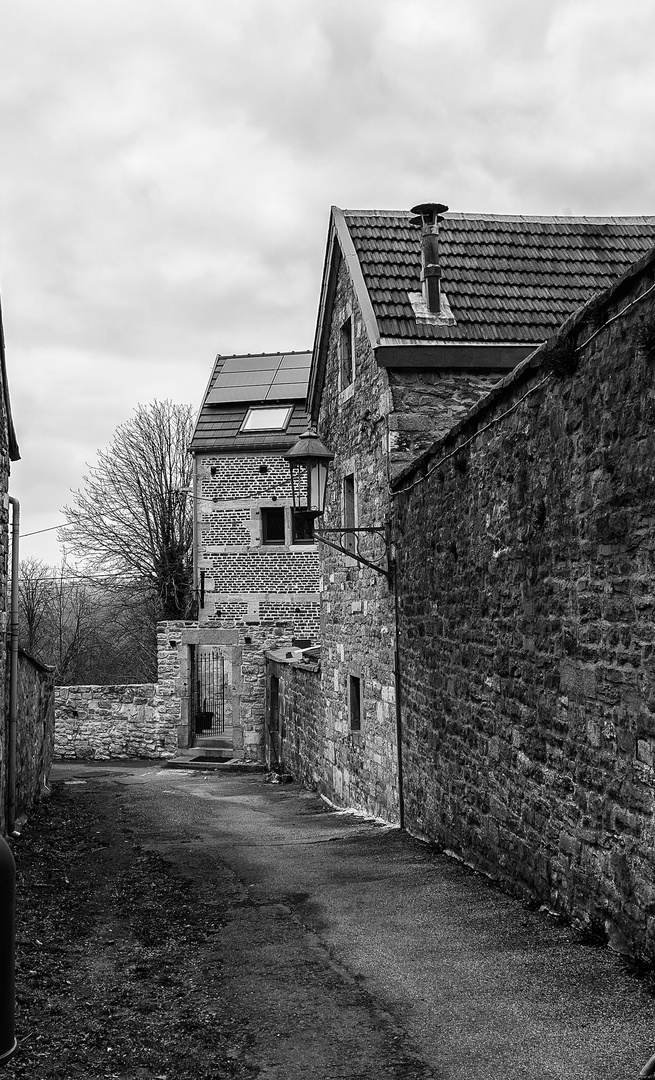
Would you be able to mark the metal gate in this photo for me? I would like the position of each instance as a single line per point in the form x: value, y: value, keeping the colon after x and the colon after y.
x: 207, y: 693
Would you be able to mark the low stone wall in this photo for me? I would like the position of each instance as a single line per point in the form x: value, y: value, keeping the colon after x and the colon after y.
x: 102, y: 722
x: 34, y: 730
x: 296, y: 741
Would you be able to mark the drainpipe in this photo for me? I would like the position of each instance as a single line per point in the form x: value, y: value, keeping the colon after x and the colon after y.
x: 13, y: 670
x: 397, y: 687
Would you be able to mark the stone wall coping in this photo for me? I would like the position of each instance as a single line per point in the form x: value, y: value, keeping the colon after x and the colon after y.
x: 33, y: 660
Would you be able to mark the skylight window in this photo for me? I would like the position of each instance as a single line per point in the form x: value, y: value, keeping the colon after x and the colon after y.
x: 267, y: 419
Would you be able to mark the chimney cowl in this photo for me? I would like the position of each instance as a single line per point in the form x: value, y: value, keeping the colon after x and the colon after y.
x: 426, y: 213
x: 427, y: 219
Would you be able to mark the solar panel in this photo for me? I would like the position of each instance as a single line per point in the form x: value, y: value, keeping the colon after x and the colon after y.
x: 282, y: 391
x: 250, y: 363
x: 297, y: 360
x: 261, y: 378
x: 225, y: 394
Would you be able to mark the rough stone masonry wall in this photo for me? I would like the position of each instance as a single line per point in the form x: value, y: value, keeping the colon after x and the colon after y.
x: 426, y: 405
x: 34, y: 730
x: 299, y: 742
x: 103, y: 722
x: 4, y: 555
x: 527, y: 615
x: 357, y: 768
x: 374, y: 426
x: 125, y: 721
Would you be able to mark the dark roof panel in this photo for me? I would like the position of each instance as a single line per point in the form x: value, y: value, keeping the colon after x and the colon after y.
x: 237, y: 383
x: 510, y: 279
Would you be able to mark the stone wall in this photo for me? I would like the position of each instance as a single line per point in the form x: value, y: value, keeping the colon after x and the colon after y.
x: 34, y: 730
x: 527, y: 625
x: 296, y: 736
x: 374, y: 425
x: 357, y: 612
x: 131, y: 720
x: 103, y: 722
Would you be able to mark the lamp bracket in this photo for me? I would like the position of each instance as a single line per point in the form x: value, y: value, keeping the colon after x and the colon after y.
x: 382, y: 531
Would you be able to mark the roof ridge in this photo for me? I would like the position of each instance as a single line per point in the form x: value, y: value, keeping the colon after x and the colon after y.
x: 257, y: 356
x: 481, y: 216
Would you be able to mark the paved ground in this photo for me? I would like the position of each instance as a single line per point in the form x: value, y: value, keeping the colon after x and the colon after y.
x: 356, y: 951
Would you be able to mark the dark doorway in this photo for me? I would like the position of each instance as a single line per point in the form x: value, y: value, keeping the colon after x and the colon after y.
x: 207, y: 692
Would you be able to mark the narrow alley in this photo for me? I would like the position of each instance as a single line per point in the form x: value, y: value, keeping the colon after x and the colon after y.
x: 209, y: 925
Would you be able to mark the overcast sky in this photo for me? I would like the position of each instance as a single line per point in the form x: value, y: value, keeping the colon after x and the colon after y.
x: 168, y: 168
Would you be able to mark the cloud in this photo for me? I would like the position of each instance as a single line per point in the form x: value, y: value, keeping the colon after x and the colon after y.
x: 169, y: 168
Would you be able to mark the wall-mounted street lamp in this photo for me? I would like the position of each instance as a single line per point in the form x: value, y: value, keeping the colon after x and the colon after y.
x: 309, y: 463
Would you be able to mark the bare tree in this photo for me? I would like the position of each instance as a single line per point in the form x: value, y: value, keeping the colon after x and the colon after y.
x: 72, y: 627
x: 34, y: 599
x: 133, y: 519
x: 89, y: 633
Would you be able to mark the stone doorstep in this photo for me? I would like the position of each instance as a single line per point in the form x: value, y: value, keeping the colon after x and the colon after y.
x: 219, y: 742
x: 208, y: 765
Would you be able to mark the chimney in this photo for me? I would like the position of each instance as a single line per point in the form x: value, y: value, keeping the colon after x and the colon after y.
x: 427, y: 220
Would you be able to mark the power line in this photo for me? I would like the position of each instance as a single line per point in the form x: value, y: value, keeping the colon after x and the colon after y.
x: 52, y: 528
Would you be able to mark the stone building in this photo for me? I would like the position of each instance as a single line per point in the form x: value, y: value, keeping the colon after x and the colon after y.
x: 255, y: 560
x: 26, y: 687
x: 419, y: 318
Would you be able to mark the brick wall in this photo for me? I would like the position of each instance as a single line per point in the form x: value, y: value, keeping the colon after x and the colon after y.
x: 245, y: 581
x: 527, y: 626
x: 265, y: 595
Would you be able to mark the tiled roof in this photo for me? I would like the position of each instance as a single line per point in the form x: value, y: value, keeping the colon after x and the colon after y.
x: 218, y: 425
x: 507, y: 279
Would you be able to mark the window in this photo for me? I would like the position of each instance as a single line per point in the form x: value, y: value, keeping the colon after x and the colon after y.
x: 275, y: 705
x: 349, y: 519
x: 302, y: 527
x: 267, y: 419
x: 273, y: 525
x: 346, y: 354
x: 355, y: 702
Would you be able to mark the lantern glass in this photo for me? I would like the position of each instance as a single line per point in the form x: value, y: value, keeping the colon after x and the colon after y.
x: 309, y: 462
x: 318, y: 475
x: 308, y: 485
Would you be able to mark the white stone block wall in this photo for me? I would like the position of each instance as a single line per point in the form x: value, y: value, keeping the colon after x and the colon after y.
x: 104, y: 722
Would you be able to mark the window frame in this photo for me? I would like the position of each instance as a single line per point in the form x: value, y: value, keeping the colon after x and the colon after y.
x: 264, y: 512
x: 355, y: 697
x: 254, y: 409
x: 299, y: 515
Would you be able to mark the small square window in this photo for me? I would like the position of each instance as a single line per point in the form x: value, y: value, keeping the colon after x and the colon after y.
x: 273, y: 525
x: 303, y: 527
x: 355, y: 702
x: 262, y: 419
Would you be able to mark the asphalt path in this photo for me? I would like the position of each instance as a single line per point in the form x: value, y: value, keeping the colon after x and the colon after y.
x: 481, y: 985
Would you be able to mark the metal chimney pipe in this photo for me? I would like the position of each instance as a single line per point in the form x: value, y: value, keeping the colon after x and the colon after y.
x: 427, y: 219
